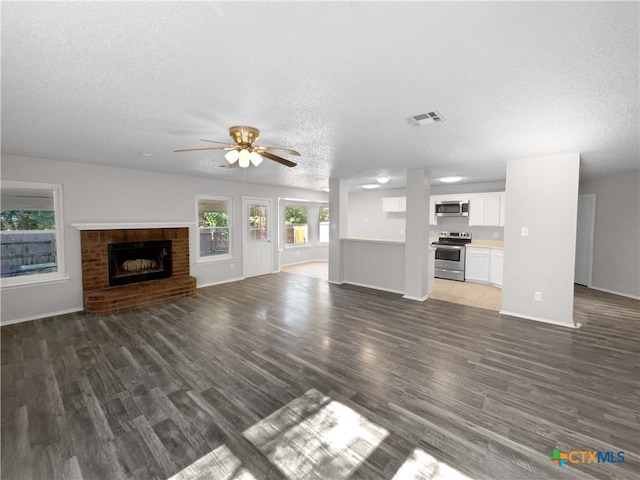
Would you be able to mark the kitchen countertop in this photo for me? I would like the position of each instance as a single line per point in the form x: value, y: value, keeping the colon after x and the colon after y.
x: 374, y: 240
x: 498, y: 244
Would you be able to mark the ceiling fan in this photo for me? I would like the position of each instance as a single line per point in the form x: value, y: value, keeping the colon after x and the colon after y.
x: 243, y: 153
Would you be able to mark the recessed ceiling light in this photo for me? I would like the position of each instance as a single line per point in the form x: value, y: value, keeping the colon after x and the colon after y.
x: 383, y: 179
x: 325, y: 189
x: 146, y: 154
x: 370, y: 186
x: 450, y: 179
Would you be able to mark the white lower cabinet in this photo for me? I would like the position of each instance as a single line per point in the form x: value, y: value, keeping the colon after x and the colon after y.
x: 495, y: 269
x: 484, y: 265
x: 477, y: 264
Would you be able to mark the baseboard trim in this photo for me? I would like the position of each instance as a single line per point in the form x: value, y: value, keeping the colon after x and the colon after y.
x: 635, y: 297
x: 335, y: 283
x: 303, y: 262
x: 537, y: 319
x: 220, y: 282
x: 44, y: 315
x: 421, y: 299
x: 373, y: 287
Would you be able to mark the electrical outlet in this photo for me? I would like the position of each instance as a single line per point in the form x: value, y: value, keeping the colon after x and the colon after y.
x: 232, y: 266
x: 524, y: 231
x: 495, y: 234
x: 537, y: 296
x: 298, y: 252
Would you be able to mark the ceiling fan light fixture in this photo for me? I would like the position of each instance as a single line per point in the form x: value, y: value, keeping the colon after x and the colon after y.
x: 255, y: 158
x: 383, y: 179
x: 370, y: 186
x: 244, y: 158
x: 232, y: 156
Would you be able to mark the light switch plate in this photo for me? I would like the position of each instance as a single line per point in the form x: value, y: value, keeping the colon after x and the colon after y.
x: 524, y: 231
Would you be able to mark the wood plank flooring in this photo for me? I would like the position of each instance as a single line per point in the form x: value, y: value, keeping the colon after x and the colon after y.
x: 145, y: 394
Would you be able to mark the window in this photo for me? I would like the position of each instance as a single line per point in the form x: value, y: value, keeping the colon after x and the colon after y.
x: 324, y: 225
x: 295, y: 218
x: 214, y: 228
x: 31, y: 234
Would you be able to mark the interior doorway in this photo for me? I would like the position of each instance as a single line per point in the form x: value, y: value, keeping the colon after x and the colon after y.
x: 584, y: 239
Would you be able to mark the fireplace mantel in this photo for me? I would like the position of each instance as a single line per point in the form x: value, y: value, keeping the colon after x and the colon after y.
x: 133, y: 225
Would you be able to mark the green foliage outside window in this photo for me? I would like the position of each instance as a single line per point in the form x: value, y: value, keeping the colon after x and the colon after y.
x: 295, y: 215
x: 213, y: 219
x: 324, y: 214
x: 27, y: 220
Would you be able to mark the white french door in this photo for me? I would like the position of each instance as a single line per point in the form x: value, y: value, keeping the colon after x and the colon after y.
x: 257, y: 225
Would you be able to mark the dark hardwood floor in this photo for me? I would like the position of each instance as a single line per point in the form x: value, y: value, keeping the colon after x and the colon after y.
x: 272, y: 374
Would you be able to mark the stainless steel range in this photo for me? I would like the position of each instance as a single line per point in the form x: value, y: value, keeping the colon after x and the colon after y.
x: 450, y: 255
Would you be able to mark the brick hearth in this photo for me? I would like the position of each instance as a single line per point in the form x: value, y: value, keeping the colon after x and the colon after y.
x: 101, y: 298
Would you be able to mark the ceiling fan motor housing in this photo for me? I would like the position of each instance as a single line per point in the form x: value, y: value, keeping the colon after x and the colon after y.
x: 244, y: 136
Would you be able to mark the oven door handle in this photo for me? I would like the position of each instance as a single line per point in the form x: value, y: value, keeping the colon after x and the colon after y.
x: 448, y: 247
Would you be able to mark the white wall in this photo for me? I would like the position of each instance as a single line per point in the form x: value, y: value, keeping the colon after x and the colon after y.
x: 367, y: 220
x: 95, y: 194
x: 616, y: 250
x: 542, y: 196
x: 379, y: 265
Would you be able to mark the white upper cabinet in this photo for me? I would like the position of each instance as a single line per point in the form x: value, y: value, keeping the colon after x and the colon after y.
x: 476, y: 209
x: 486, y: 209
x: 394, y: 204
x: 492, y: 209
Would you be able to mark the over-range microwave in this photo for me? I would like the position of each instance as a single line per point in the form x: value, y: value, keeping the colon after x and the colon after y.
x: 452, y: 208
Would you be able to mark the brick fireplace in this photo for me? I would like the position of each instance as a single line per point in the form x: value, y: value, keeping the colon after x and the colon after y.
x: 100, y: 297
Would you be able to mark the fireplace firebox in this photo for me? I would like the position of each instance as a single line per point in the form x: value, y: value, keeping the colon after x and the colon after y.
x: 133, y: 262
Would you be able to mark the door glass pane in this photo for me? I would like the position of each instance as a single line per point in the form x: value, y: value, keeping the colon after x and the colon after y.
x: 257, y: 222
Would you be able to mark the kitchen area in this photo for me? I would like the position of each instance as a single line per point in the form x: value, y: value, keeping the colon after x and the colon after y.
x: 466, y: 238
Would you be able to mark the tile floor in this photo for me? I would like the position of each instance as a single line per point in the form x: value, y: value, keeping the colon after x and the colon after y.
x: 310, y: 269
x: 465, y: 293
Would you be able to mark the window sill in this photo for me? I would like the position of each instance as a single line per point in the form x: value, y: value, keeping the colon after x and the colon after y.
x: 215, y: 259
x: 33, y: 283
x: 294, y: 247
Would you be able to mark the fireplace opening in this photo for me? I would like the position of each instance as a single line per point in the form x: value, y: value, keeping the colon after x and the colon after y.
x: 139, y: 261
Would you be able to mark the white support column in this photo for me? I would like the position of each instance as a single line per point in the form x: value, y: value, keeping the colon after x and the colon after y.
x: 416, y: 254
x: 338, y: 216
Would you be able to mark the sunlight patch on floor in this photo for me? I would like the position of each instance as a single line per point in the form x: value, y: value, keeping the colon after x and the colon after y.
x: 422, y: 466
x: 316, y: 437
x: 220, y: 464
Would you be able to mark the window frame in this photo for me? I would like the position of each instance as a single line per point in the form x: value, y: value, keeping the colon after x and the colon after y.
x: 224, y: 256
x: 50, y: 277
x: 322, y: 205
x: 307, y: 243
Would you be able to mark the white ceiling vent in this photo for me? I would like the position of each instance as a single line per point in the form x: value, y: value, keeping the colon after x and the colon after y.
x: 427, y: 118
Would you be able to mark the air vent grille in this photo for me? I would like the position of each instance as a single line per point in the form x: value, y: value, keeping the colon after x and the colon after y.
x: 427, y: 118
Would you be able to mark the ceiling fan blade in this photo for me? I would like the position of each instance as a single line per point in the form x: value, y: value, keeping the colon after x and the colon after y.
x: 281, y: 160
x: 231, y: 145
x: 194, y: 149
x: 279, y: 151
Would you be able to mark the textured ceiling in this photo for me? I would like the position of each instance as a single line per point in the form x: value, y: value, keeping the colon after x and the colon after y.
x: 104, y: 82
